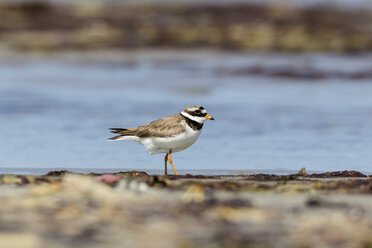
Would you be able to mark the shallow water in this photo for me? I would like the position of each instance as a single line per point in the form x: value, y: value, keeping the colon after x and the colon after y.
x: 55, y: 111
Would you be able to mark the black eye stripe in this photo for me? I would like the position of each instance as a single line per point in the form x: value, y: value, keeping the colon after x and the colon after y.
x: 197, y: 113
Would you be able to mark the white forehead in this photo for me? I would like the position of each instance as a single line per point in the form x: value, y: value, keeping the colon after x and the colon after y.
x: 192, y: 109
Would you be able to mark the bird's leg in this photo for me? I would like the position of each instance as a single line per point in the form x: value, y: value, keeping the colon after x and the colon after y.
x: 170, y: 161
x: 165, y: 168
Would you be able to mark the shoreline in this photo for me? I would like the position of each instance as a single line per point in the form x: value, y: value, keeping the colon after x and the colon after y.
x: 238, y: 26
x: 111, y: 210
x: 183, y: 172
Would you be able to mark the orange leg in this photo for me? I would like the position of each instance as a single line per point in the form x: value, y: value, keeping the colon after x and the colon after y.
x: 165, y: 168
x: 171, y: 163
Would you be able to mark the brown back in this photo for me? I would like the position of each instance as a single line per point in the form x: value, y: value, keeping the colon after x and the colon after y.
x: 165, y: 127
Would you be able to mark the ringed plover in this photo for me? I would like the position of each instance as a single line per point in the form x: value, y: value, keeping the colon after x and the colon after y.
x: 169, y: 134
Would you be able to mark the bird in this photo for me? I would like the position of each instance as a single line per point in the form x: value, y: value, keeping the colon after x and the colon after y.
x: 167, y: 135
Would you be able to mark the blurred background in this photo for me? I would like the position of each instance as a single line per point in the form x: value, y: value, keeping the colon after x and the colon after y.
x: 288, y: 82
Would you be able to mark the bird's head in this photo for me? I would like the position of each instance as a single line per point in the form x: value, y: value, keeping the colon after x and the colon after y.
x: 196, y: 113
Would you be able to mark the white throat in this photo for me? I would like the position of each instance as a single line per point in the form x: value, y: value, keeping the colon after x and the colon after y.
x: 194, y: 118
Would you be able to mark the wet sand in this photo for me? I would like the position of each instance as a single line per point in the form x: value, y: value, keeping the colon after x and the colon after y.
x: 134, y: 209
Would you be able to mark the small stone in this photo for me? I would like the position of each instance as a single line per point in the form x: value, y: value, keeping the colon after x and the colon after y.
x: 108, y: 178
x: 302, y: 172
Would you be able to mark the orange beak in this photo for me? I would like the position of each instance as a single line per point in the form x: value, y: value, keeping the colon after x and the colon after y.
x: 209, y: 117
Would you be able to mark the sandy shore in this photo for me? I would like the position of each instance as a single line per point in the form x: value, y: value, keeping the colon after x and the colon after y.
x: 133, y: 209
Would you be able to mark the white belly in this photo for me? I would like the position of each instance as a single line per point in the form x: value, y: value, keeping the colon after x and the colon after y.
x: 175, y: 144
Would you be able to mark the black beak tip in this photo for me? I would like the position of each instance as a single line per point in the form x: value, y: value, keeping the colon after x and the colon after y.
x: 212, y: 119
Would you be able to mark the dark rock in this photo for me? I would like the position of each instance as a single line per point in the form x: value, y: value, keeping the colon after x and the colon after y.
x: 317, y: 202
x: 57, y: 173
x: 339, y: 174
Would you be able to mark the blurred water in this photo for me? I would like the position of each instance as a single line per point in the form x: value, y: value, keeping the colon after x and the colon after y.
x: 55, y: 112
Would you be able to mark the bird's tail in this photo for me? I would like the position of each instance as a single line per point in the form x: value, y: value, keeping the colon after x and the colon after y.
x: 123, y: 133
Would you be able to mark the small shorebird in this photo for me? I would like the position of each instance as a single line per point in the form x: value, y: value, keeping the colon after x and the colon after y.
x: 169, y: 134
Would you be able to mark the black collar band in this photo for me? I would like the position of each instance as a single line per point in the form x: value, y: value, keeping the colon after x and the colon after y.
x: 196, y: 126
